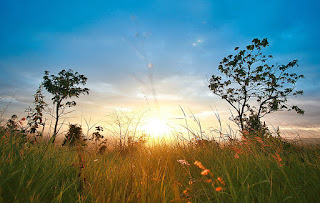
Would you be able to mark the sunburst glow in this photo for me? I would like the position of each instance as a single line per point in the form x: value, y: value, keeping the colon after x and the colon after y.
x: 156, y: 127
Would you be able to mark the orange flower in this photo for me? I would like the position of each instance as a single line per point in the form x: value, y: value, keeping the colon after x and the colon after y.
x: 245, y: 132
x: 205, y: 172
x: 199, y: 164
x: 237, y: 150
x: 260, y: 140
x: 186, y: 191
x: 236, y: 156
x: 218, y: 189
x: 208, y: 181
x: 221, y: 181
x: 278, y: 159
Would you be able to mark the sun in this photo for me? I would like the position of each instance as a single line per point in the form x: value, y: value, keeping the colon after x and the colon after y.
x: 156, y: 127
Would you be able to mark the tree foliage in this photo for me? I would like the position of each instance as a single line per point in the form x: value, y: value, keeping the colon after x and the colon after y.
x: 12, y: 123
x: 74, y: 136
x: 35, y: 116
x: 62, y: 87
x: 252, y: 86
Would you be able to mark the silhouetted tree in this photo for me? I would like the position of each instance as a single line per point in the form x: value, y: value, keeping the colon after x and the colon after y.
x: 250, y: 85
x: 74, y: 136
x: 64, y: 86
x: 12, y: 123
x: 35, y: 116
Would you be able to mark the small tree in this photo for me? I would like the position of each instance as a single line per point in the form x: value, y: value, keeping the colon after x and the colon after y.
x: 74, y: 136
x: 62, y: 87
x: 97, y: 137
x: 35, y: 116
x: 251, y: 85
x: 12, y: 123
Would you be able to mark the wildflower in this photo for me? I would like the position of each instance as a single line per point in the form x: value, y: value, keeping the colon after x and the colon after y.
x: 186, y: 191
x: 238, y: 150
x: 183, y: 162
x: 139, y: 195
x: 208, y: 181
x: 205, y: 172
x: 221, y: 181
x: 95, y: 160
x: 190, y: 182
x: 199, y: 164
x: 218, y: 189
x: 278, y: 159
x: 236, y: 156
x: 260, y: 140
x: 245, y: 132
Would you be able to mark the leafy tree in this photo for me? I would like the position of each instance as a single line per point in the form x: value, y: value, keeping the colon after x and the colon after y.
x: 64, y: 86
x: 96, y: 136
x: 35, y: 116
x: 12, y: 123
x: 252, y: 86
x: 74, y: 136
x: 17, y: 130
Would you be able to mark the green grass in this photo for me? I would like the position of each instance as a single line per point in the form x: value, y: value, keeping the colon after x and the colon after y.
x: 252, y: 171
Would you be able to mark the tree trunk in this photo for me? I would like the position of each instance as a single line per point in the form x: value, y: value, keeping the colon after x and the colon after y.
x: 241, y: 123
x: 56, y: 124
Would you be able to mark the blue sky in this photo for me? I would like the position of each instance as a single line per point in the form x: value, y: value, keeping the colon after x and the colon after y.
x: 113, y: 42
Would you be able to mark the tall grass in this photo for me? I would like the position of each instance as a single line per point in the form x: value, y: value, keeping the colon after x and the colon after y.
x: 251, y: 170
x: 35, y: 173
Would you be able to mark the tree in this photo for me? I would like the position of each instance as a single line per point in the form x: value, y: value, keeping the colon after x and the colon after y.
x: 35, y: 116
x: 74, y: 136
x: 251, y: 85
x: 64, y: 86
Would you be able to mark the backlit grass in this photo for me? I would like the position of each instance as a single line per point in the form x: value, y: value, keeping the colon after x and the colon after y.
x: 251, y: 170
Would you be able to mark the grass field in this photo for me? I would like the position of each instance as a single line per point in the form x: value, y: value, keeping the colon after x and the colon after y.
x: 251, y: 170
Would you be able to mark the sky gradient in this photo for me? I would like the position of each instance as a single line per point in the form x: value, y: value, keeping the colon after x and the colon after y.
x: 154, y: 54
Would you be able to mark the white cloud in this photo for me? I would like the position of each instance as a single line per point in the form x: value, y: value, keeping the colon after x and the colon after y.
x: 103, y: 88
x: 6, y: 99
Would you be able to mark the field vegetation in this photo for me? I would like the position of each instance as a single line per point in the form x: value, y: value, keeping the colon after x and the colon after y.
x: 252, y: 169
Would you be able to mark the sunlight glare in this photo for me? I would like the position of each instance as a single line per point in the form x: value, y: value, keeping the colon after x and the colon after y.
x: 156, y: 127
